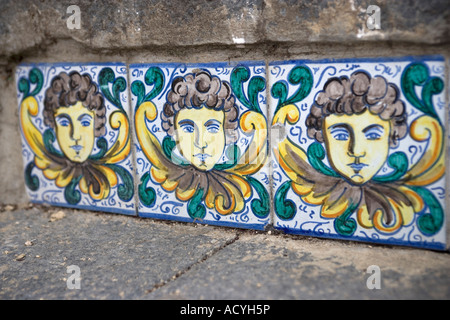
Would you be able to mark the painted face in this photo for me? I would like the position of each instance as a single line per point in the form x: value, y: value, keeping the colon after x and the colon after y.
x: 357, y: 145
x: 200, y: 136
x: 75, y: 131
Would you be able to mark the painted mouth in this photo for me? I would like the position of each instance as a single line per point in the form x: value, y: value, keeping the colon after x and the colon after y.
x: 202, y: 156
x: 357, y: 166
x: 77, y: 147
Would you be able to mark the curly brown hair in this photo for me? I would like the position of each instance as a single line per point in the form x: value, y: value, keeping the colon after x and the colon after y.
x: 66, y: 90
x: 355, y: 95
x: 196, y: 90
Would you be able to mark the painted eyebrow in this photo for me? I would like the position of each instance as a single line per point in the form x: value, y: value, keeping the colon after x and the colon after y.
x: 83, y: 116
x: 63, y: 116
x: 340, y: 126
x: 186, y: 121
x: 212, y: 121
x: 374, y: 126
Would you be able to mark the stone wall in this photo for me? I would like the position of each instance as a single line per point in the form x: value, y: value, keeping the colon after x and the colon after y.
x: 199, y: 31
x: 27, y: 26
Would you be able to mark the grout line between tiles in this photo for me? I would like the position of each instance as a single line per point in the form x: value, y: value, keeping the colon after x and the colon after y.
x: 269, y: 142
x: 133, y: 146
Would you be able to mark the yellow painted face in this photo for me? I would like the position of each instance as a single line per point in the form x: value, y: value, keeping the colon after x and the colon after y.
x: 357, y: 145
x: 75, y: 131
x: 200, y: 136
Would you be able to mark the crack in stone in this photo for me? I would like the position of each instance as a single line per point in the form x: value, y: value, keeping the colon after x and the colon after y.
x: 205, y: 257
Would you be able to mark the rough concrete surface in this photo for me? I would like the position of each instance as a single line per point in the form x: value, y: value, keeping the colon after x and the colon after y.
x: 139, y: 24
x: 12, y: 186
x: 123, y: 257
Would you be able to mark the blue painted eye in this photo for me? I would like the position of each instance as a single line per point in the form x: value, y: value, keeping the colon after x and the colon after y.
x: 188, y: 128
x: 373, y: 136
x: 85, y: 120
x: 373, y: 132
x: 213, y: 128
x: 64, y: 123
x: 341, y: 136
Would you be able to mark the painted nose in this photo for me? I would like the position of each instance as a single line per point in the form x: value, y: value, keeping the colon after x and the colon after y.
x: 200, y: 141
x: 75, y: 133
x: 356, y: 149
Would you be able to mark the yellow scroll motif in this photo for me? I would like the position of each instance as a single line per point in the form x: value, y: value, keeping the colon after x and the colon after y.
x: 431, y: 167
x: 121, y: 148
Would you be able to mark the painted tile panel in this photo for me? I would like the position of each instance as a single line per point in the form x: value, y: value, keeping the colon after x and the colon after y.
x: 359, y: 149
x: 201, y: 142
x: 76, y: 135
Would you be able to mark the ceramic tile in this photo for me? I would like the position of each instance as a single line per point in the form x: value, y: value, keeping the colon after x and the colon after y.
x: 201, y: 142
x: 76, y: 138
x: 359, y: 149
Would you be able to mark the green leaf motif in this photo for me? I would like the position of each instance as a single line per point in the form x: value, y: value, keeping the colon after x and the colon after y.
x: 256, y: 85
x: 138, y: 89
x: 107, y: 76
x: 196, y: 209
x: 154, y: 76
x: 233, y: 152
x: 239, y: 76
x: 31, y: 181
x: 279, y: 91
x: 429, y: 223
x: 434, y: 86
x: 24, y: 87
x: 316, y: 154
x: 261, y: 206
x: 344, y: 225
x: 146, y: 195
x: 168, y: 145
x: 125, y: 190
x: 49, y: 138
x: 35, y: 77
x: 72, y: 195
x: 299, y: 75
x: 102, y: 144
x: 417, y: 74
x: 285, y: 209
x: 397, y: 161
